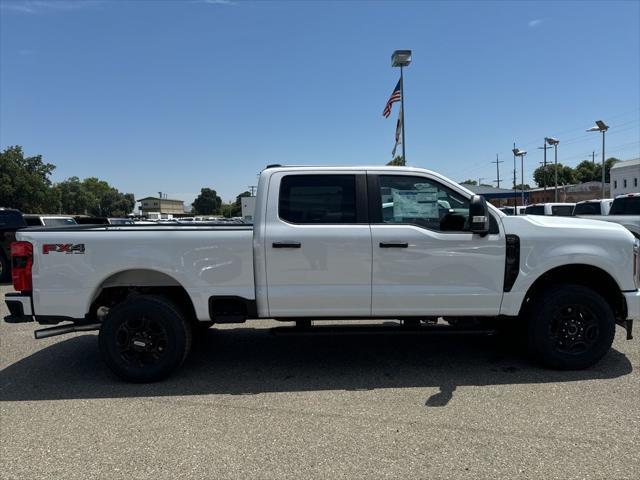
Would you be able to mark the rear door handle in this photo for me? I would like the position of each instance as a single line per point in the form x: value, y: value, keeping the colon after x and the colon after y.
x: 394, y: 245
x: 286, y: 244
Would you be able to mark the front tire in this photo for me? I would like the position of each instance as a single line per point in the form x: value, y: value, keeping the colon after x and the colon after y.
x: 570, y: 327
x: 144, y: 339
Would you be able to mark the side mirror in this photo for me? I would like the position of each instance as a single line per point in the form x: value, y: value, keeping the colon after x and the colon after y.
x: 478, y: 215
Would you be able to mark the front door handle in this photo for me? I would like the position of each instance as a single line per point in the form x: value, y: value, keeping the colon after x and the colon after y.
x: 394, y: 245
x: 286, y: 244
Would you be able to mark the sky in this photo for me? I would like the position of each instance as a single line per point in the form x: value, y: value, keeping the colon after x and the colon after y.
x: 174, y: 96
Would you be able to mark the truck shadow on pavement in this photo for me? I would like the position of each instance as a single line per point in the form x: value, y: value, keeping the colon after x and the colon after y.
x: 247, y: 361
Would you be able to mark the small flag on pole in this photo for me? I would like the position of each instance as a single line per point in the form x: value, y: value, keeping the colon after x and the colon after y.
x: 396, y: 95
x: 398, y: 133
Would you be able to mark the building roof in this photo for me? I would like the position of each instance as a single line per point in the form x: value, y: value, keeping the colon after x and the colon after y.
x: 486, y: 189
x: 573, y: 187
x: 626, y: 163
x: 158, y: 198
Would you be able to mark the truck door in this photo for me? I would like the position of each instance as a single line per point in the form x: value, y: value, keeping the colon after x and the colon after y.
x: 318, y: 245
x: 425, y: 261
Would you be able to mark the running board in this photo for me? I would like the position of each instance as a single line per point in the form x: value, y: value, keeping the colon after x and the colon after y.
x: 378, y: 330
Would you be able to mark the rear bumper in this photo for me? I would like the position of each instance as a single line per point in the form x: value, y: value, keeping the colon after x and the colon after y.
x: 19, y: 308
x: 633, y: 304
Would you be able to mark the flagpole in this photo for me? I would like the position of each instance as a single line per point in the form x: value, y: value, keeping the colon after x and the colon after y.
x: 404, y: 158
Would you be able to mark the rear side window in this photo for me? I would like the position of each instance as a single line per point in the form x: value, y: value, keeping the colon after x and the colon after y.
x: 625, y: 206
x: 589, y: 208
x: 562, y: 210
x: 53, y: 221
x: 318, y: 199
x: 535, y: 210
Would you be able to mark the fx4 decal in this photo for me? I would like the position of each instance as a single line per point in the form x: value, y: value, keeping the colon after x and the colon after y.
x: 62, y: 248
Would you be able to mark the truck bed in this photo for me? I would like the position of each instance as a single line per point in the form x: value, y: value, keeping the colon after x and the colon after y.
x: 76, y: 262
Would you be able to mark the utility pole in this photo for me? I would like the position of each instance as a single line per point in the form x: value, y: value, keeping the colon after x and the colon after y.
x: 593, y: 157
x: 252, y: 189
x: 480, y: 180
x: 497, y: 162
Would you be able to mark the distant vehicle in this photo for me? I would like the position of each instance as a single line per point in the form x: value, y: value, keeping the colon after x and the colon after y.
x: 593, y: 207
x: 510, y: 210
x: 625, y: 210
x: 10, y: 221
x: 120, y: 221
x: 550, y: 209
x: 89, y: 220
x: 33, y: 220
x: 627, y: 204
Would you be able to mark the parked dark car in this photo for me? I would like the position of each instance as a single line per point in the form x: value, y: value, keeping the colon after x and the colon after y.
x: 10, y: 221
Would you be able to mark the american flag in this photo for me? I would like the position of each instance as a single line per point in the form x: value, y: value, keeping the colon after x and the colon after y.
x: 396, y: 95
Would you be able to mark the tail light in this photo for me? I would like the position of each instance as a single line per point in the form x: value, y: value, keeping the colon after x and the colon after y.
x: 636, y: 262
x: 21, y: 265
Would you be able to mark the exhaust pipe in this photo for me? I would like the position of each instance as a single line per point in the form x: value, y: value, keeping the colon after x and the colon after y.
x: 62, y: 329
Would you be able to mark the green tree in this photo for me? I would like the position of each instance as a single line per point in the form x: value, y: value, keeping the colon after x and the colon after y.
x: 25, y: 183
x: 469, y: 182
x: 93, y: 196
x: 398, y: 161
x: 546, y: 176
x: 207, y: 203
x: 586, y: 171
x: 526, y: 186
x: 75, y: 199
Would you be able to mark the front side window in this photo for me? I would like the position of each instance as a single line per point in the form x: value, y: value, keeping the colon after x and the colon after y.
x: 312, y: 199
x: 422, y: 202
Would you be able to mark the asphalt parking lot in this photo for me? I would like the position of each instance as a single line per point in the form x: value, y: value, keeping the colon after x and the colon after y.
x: 250, y: 405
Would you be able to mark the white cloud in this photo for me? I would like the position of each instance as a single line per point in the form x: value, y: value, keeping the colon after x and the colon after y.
x: 534, y: 23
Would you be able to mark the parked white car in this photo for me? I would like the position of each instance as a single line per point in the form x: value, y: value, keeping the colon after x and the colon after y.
x: 624, y: 210
x: 333, y: 243
x: 550, y: 209
x: 593, y: 207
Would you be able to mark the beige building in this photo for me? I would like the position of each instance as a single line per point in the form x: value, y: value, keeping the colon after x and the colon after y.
x: 569, y: 193
x: 164, y: 206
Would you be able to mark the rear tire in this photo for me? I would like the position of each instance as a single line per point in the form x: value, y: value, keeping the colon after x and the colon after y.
x: 144, y: 338
x: 570, y: 327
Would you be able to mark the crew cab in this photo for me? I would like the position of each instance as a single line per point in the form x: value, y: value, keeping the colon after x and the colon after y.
x: 337, y: 243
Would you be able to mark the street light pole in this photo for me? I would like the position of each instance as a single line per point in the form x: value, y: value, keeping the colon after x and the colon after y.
x: 401, y: 58
x: 603, y: 132
x: 600, y: 126
x: 515, y: 197
x: 404, y: 158
x: 520, y: 153
x: 554, y: 142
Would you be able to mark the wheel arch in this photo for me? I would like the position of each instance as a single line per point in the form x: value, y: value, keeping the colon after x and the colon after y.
x: 120, y: 285
x: 584, y: 275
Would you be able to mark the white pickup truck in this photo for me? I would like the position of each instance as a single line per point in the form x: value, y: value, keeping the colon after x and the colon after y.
x: 333, y: 243
x: 624, y: 209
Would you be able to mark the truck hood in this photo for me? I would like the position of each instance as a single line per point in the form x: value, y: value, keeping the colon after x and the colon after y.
x: 514, y: 224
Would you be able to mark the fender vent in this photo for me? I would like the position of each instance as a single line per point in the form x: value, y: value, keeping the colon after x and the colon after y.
x: 511, y: 261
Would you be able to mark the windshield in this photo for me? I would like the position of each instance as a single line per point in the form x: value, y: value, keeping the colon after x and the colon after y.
x: 55, y: 221
x: 625, y: 206
x: 587, y: 208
